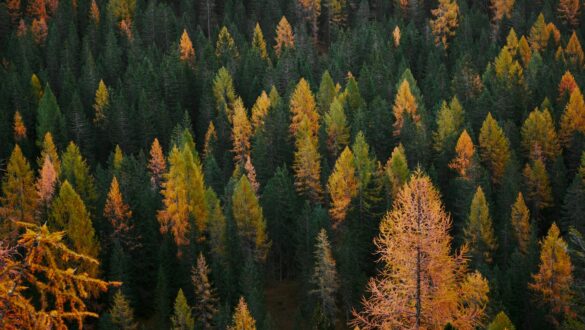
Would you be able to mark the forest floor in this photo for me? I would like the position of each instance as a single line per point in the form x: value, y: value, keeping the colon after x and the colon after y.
x: 282, y: 301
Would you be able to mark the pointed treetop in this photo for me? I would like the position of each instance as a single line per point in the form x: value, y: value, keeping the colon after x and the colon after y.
x: 187, y: 53
x: 258, y: 42
x: 284, y: 37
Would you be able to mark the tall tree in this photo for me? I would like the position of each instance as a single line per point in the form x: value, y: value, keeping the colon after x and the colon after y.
x: 325, y: 278
x: 260, y: 111
x: 464, y: 161
x: 119, y: 215
x: 157, y: 164
x: 494, y: 147
x: 568, y: 11
x: 520, y: 218
x: 404, y: 105
x: 74, y: 169
x: 285, y: 39
x: 306, y: 164
x: 258, y: 42
x: 342, y: 186
x: 450, y: 120
x: 553, y: 281
x: 396, y: 170
x: 186, y: 50
x: 241, y: 133
x: 573, y: 118
x: 206, y: 301
x: 122, y: 313
x: 479, y: 232
x: 539, y: 136
x: 49, y: 118
x: 311, y: 10
x: 421, y: 285
x: 182, y: 318
x: 538, y: 188
x: 302, y: 103
x: 49, y: 150
x: 249, y: 219
x: 101, y: 103
x: 226, y: 46
x: 19, y: 197
x: 445, y: 21
x: 337, y: 127
x: 242, y: 319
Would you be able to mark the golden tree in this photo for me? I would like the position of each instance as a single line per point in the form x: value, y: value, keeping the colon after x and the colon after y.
x: 538, y: 188
x: 342, y: 186
x: 19, y: 129
x: 336, y: 127
x: 303, y: 104
x: 554, y: 279
x: 226, y: 46
x: 157, y: 164
x: 568, y: 11
x: 502, y: 8
x: 45, y: 186
x: 40, y: 30
x: 566, y: 86
x: 258, y: 42
x: 47, y: 268
x: 260, y: 111
x: 539, y: 34
x: 49, y: 150
x: 249, y: 220
x: 284, y: 37
x: 122, y: 313
x: 450, y: 120
x: 464, y: 161
x: 404, y: 105
x: 396, y: 35
x: 421, y: 284
x: 539, y: 134
x: 573, y: 118
x: 574, y: 52
x: 242, y: 319
x: 241, y: 133
x: 210, y: 140
x: 524, y: 51
x: 494, y: 147
x: 338, y: 13
x: 396, y: 170
x: 224, y: 92
x: 101, y: 103
x: 119, y: 215
x: 307, y: 163
x: 19, y: 197
x: 186, y: 51
x: 520, y: 218
x: 445, y: 21
x: 94, y: 12
x: 479, y: 232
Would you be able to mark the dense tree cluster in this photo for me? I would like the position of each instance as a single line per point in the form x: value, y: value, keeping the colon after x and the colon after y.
x: 307, y: 164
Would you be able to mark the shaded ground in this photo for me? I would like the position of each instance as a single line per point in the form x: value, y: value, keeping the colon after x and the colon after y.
x: 282, y: 302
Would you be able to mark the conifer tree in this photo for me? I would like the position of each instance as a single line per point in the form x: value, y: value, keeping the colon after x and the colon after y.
x: 19, y: 198
x: 48, y: 150
x: 445, y: 21
x: 396, y: 170
x: 501, y: 322
x: 553, y: 281
x: 206, y: 301
x: 574, y: 52
x: 260, y: 111
x: 119, y: 215
x: 539, y: 135
x: 182, y: 318
x: 538, y: 188
x: 568, y: 11
x: 186, y: 51
x: 122, y: 313
x: 520, y: 218
x: 226, y: 46
x: 302, y: 103
x: 49, y: 118
x: 258, y: 42
x: 502, y: 8
x: 342, y: 186
x: 327, y: 91
x: 494, y: 147
x: 284, y: 37
x: 19, y: 129
x: 249, y: 220
x: 101, y: 103
x: 157, y: 164
x: 450, y: 120
x: 573, y: 118
x: 242, y: 319
x: 464, y: 161
x: 539, y: 34
x: 306, y: 164
x: 566, y: 86
x: 74, y: 169
x: 422, y: 285
x: 404, y: 105
x: 479, y: 232
x: 94, y: 13
x: 210, y: 142
x: 45, y: 187
x: 224, y: 92
x: 68, y: 213
x: 336, y: 127
x: 338, y: 12
x: 324, y: 277
x: 183, y: 193
x: 241, y: 133
x: 311, y: 10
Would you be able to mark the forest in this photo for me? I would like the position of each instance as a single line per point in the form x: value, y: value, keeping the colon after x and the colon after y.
x: 292, y: 164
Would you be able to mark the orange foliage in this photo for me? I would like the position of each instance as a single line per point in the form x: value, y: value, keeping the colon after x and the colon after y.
x: 187, y: 53
x: 284, y: 36
x: 241, y: 133
x: 19, y: 127
x: 39, y: 30
x: 156, y: 164
x: 566, y: 85
x: 404, y: 104
x: 303, y: 104
x: 342, y: 186
x: 463, y: 162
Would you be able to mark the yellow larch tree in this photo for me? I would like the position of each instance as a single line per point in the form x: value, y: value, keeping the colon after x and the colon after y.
x: 157, y: 164
x: 241, y: 133
x: 242, y: 319
x: 479, y: 232
x: 337, y: 127
x: 186, y: 50
x: 307, y: 163
x: 210, y: 140
x: 464, y: 161
x: 303, y: 104
x: 574, y: 52
x: 520, y: 218
x: 19, y: 129
x: 554, y: 279
x: 494, y: 147
x: 226, y: 46
x: 396, y: 170
x: 342, y: 186
x: 119, y: 215
x: 538, y: 188
x: 404, y: 105
x: 48, y: 149
x: 573, y: 118
x: 539, y: 135
x: 422, y: 285
x: 285, y: 37
x: 445, y: 21
x: 260, y: 111
x: 258, y: 42
x: 101, y: 103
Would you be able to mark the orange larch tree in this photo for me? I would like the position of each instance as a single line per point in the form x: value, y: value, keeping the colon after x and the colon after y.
x: 574, y: 52
x: 573, y: 118
x: 566, y: 86
x: 445, y: 21
x: 157, y: 164
x: 422, y: 285
x: 342, y: 186
x: 241, y: 133
x: 307, y: 163
x: 119, y: 215
x: 302, y: 103
x: 284, y: 37
x: 539, y: 135
x: 464, y: 161
x: 19, y: 129
x: 520, y: 218
x: 568, y: 11
x: 45, y: 186
x: 404, y: 105
x: 186, y: 51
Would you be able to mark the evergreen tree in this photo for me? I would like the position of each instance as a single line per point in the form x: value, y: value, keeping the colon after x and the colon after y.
x: 325, y: 277
x: 494, y: 147
x: 205, y: 308
x: 50, y: 119
x: 122, y: 313
x: 181, y: 318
